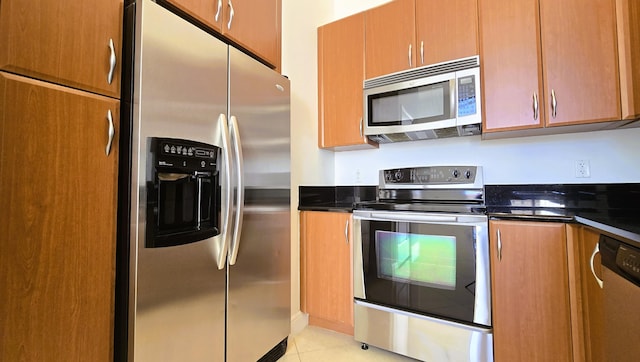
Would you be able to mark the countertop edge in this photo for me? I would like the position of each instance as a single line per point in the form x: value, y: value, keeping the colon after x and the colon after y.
x: 612, y: 230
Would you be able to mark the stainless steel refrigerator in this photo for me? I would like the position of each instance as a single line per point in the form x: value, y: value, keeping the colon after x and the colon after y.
x: 203, y: 260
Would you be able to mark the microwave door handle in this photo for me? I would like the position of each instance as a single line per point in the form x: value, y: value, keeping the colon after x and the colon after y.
x: 239, y: 215
x: 223, y: 246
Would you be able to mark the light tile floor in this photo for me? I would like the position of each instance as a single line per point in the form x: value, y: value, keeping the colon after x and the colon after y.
x: 316, y: 344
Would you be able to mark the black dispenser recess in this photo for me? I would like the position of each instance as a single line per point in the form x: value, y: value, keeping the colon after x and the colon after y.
x: 183, y: 192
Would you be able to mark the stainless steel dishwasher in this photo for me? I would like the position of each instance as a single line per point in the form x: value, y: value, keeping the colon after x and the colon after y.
x: 621, y: 286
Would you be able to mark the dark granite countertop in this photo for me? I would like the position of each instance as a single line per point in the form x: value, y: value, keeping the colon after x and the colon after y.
x: 334, y: 198
x: 614, y: 208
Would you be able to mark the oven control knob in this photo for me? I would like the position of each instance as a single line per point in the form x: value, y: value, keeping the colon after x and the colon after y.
x: 456, y: 173
x: 398, y: 175
x: 467, y: 174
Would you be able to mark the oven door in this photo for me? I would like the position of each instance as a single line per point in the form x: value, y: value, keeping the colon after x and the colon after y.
x: 427, y: 263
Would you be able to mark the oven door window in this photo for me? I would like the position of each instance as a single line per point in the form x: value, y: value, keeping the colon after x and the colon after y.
x: 423, y: 260
x: 423, y: 268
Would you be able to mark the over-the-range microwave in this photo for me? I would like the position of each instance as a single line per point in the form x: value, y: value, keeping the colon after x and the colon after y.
x: 433, y: 101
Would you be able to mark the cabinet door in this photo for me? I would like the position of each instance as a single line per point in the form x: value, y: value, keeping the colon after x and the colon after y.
x: 628, y: 26
x: 208, y: 11
x: 530, y: 291
x: 446, y: 30
x: 340, y: 78
x: 326, y: 273
x: 580, y: 61
x: 65, y: 42
x: 587, y: 296
x: 390, y: 38
x: 58, y: 195
x: 510, y: 62
x: 256, y: 26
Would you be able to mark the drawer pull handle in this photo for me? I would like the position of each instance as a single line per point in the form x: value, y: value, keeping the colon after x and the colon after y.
x: 218, y: 11
x: 596, y: 250
x: 499, y: 246
x: 112, y: 132
x: 346, y: 231
x: 554, y: 104
x: 112, y: 61
x: 231, y: 14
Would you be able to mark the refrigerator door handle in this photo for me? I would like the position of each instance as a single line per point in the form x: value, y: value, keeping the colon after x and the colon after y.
x: 239, y: 161
x: 225, y: 232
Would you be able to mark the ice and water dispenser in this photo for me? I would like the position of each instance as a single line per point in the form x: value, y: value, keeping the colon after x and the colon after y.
x: 182, y: 192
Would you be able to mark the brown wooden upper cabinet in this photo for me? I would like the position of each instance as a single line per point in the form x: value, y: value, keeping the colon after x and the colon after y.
x: 209, y: 12
x: 404, y: 34
x: 340, y: 79
x: 548, y: 63
x: 254, y: 25
x: 73, y: 43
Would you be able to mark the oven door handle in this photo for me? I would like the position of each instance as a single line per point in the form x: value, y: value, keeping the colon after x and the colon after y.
x: 414, y: 217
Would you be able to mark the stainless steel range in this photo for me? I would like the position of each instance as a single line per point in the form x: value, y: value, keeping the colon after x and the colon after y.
x: 421, y: 265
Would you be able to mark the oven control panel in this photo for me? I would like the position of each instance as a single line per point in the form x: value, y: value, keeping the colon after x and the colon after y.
x: 431, y: 175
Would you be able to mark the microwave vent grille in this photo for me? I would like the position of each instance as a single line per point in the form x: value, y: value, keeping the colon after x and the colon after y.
x: 422, y: 72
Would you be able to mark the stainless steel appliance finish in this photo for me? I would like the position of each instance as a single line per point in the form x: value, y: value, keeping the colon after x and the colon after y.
x: 621, y: 295
x: 201, y: 300
x: 421, y: 265
x: 434, y: 101
x: 419, y: 336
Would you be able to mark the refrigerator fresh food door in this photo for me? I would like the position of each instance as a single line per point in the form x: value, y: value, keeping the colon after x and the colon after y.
x: 177, y: 293
x: 259, y: 290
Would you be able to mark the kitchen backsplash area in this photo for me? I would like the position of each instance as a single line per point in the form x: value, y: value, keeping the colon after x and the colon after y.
x: 611, y: 157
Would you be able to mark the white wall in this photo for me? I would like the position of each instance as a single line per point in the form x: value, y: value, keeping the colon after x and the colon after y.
x: 309, y: 165
x: 614, y: 156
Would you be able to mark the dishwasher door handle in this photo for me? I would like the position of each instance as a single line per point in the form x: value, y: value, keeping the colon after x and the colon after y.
x: 596, y: 250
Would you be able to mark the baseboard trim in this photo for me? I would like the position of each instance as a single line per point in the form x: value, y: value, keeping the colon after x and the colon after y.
x: 298, y: 322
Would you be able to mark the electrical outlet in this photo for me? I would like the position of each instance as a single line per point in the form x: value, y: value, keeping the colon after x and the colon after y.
x: 582, y: 169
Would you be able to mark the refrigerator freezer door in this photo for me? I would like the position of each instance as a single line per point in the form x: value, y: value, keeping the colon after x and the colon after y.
x: 259, y: 290
x: 177, y: 294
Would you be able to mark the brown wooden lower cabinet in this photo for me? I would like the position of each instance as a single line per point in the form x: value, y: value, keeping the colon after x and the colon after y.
x: 58, y: 224
x: 587, y: 296
x: 547, y: 305
x: 530, y: 291
x: 326, y: 290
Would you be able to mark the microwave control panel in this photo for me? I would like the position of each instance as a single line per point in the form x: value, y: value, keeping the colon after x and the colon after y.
x: 467, y: 96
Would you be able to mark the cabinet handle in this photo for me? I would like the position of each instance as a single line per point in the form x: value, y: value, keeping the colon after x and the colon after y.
x: 112, y: 132
x: 499, y: 246
x: 410, y: 52
x: 361, y: 127
x: 596, y: 250
x: 346, y: 231
x: 112, y: 61
x: 231, y: 14
x: 535, y: 106
x: 422, y: 52
x: 554, y: 104
x: 218, y: 11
